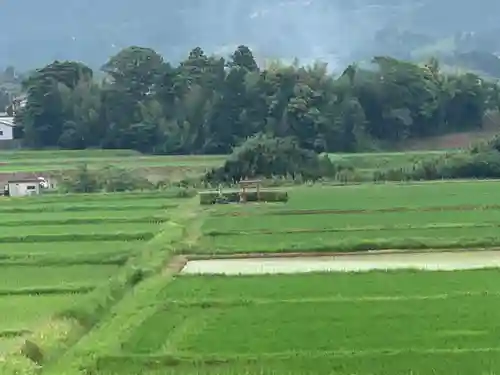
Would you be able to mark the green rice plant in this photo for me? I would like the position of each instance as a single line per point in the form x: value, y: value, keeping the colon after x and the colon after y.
x: 50, y: 290
x: 358, y: 240
x: 377, y: 196
x: 400, y: 283
x: 95, y: 258
x: 78, y: 237
x: 67, y: 253
x: 130, y: 196
x: 147, y: 338
x: 98, y: 228
x: 144, y: 273
x: 91, y: 214
x: 32, y: 208
x: 25, y: 277
x: 26, y: 311
x: 32, y: 249
x: 319, y: 363
x: 311, y: 324
x: 345, y: 221
x: 85, y: 221
x: 455, y: 322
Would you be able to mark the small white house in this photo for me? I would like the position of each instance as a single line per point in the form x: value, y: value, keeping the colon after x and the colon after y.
x: 21, y: 188
x: 6, y: 128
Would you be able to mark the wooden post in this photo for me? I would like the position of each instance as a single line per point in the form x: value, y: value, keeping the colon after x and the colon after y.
x: 244, y: 185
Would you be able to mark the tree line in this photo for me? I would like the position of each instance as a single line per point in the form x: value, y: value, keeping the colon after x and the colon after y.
x: 209, y: 104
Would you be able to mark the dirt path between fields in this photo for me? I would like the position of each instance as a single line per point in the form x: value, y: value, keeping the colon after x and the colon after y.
x: 434, y: 261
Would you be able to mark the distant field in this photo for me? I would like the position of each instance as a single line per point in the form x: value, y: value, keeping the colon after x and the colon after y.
x: 49, y: 161
x: 392, y: 216
x: 370, y: 323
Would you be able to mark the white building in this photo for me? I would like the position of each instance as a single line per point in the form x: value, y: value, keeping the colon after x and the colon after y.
x: 6, y: 128
x: 21, y: 188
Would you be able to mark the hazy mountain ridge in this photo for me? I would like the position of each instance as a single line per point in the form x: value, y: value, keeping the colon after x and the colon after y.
x: 331, y: 30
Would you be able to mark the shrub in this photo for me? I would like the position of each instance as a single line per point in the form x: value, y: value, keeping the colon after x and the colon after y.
x: 264, y: 156
x: 481, y: 161
x: 108, y: 179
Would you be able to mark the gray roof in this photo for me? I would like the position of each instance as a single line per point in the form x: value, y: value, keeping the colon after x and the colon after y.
x: 8, y: 121
x: 20, y: 181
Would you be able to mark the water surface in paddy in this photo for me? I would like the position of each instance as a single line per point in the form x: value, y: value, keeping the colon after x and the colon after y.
x: 444, y: 261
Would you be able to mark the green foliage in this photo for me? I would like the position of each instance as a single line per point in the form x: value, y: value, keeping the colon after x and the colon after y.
x: 481, y: 161
x: 264, y: 156
x: 108, y: 179
x: 212, y: 197
x: 207, y: 104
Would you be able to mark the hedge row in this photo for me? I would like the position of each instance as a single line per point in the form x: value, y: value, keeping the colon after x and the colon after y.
x: 213, y: 197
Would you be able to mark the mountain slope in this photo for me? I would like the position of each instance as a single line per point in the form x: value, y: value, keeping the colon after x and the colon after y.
x: 332, y: 30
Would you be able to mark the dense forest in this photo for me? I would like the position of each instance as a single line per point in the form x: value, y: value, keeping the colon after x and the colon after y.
x: 208, y: 104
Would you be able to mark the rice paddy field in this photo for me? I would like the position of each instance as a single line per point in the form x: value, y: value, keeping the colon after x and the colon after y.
x: 55, y: 250
x: 400, y: 322
x: 378, y: 322
x: 440, y: 215
x: 115, y: 263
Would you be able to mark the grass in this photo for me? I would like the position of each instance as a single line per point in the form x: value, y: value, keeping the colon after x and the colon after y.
x: 361, y: 323
x: 27, y: 311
